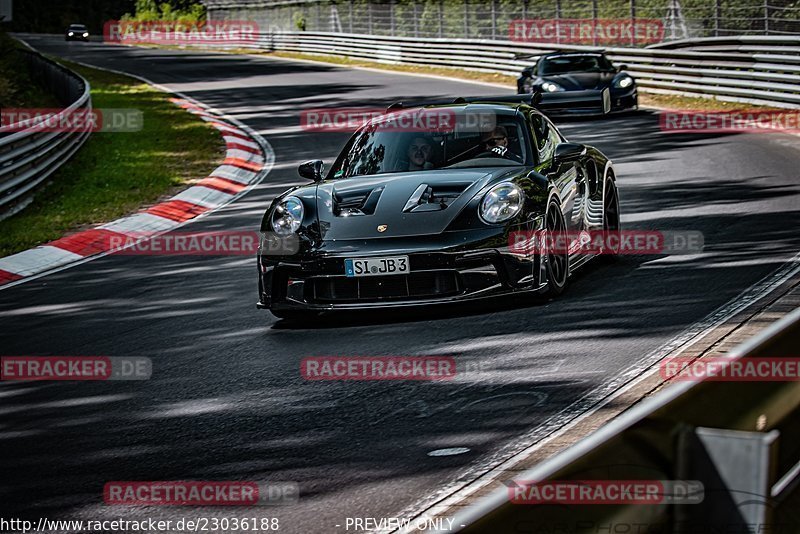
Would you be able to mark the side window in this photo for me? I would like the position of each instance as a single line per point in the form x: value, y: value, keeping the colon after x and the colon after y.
x: 546, y: 138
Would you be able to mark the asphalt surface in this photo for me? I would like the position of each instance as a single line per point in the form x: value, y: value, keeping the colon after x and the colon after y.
x: 226, y: 400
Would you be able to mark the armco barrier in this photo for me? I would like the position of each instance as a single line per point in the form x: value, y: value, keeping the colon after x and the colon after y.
x: 741, y: 440
x: 30, y: 156
x: 747, y: 69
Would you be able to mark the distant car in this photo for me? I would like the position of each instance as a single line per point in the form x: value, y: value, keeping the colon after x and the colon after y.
x: 580, y: 76
x: 425, y: 216
x: 77, y: 32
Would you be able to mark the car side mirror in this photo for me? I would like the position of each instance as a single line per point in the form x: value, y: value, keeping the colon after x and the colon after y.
x: 312, y: 170
x: 622, y: 67
x: 568, y: 151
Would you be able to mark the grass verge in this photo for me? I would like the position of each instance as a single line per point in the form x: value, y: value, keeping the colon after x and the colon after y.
x: 114, y: 174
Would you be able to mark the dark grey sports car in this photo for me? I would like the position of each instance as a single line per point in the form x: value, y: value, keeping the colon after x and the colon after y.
x: 422, y: 211
x: 580, y: 78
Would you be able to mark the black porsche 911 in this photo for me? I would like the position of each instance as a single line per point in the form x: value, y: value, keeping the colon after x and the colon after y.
x: 579, y: 77
x: 408, y: 217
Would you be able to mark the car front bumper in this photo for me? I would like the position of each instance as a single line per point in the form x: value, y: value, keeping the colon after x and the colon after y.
x: 453, y: 267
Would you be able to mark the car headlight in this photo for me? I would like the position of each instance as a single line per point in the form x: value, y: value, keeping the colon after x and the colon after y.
x: 501, y: 203
x: 287, y: 216
x: 86, y: 35
x: 623, y: 82
x: 551, y: 87
x: 70, y: 34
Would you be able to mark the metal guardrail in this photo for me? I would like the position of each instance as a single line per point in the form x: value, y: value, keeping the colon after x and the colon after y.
x: 741, y: 440
x: 747, y: 69
x: 28, y: 157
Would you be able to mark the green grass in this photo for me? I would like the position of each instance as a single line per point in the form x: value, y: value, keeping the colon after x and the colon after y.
x: 114, y: 174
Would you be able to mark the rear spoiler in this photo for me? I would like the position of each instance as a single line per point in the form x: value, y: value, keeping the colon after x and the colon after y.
x: 560, y: 102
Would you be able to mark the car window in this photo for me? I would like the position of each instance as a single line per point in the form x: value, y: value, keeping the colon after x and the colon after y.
x: 546, y: 138
x: 562, y: 64
x: 381, y: 147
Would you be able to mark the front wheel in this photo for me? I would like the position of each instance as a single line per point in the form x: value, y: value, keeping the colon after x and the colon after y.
x: 557, y: 266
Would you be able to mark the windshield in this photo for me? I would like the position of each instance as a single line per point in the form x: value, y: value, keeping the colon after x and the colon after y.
x: 447, y: 139
x: 78, y: 27
x: 562, y: 64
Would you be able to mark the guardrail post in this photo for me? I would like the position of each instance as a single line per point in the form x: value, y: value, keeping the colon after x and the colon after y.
x: 494, y: 19
x: 737, y: 470
x: 766, y: 17
x: 416, y: 18
x: 558, y: 18
x: 633, y: 22
x: 350, y: 16
x: 391, y: 17
x: 441, y: 18
x: 717, y: 14
x: 369, y: 18
x: 466, y: 18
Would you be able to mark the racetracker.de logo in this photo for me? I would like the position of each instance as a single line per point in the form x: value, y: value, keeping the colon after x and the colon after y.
x: 720, y: 369
x: 587, y: 31
x: 639, y: 492
x: 70, y: 120
x: 378, y: 368
x: 606, y: 242
x: 213, y: 32
x: 738, y: 121
x: 403, y: 120
x: 200, y: 493
x: 80, y: 368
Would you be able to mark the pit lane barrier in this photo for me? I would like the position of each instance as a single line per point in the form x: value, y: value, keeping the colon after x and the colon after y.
x: 741, y: 440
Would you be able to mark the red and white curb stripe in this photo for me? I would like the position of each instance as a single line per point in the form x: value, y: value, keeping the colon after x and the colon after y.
x: 246, y: 163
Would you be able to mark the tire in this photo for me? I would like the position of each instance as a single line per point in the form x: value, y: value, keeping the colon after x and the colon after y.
x: 557, y: 264
x: 611, y: 216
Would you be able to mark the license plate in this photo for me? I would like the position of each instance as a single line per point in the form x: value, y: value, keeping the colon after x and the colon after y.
x: 354, y: 267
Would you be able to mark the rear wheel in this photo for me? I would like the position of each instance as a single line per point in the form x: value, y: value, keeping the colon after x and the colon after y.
x: 557, y: 260
x: 611, y: 218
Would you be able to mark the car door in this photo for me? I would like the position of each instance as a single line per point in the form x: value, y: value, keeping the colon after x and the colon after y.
x: 565, y: 176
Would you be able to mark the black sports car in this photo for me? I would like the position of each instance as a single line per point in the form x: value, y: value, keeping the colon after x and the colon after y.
x: 580, y: 78
x: 76, y: 32
x: 422, y: 216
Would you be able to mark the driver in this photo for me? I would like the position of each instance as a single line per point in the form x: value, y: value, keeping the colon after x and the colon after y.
x: 419, y: 154
x: 497, y: 141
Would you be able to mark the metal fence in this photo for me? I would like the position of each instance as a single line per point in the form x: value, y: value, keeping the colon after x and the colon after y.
x: 30, y: 156
x: 492, y: 19
x: 747, y: 69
